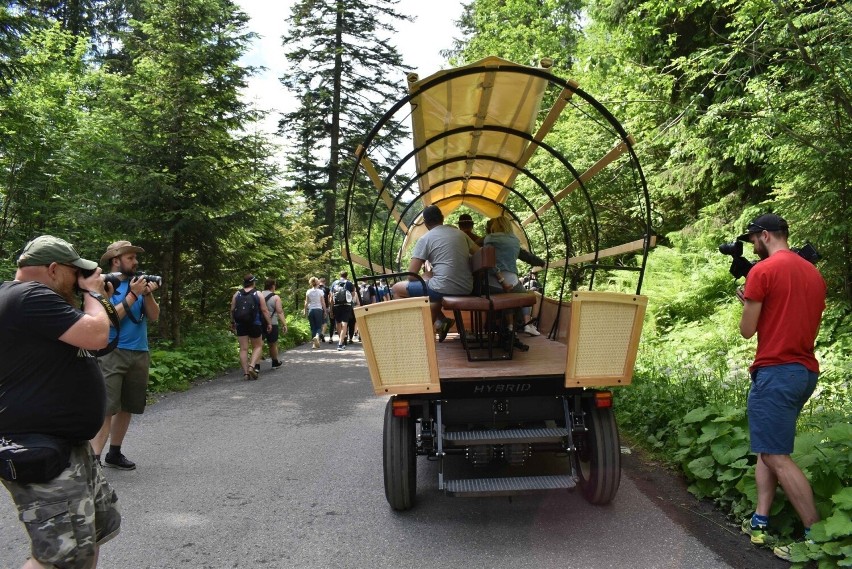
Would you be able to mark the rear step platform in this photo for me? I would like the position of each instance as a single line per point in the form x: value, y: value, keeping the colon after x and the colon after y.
x: 474, y: 487
x: 506, y: 436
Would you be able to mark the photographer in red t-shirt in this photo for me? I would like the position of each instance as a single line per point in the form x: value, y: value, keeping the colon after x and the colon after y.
x: 783, y: 301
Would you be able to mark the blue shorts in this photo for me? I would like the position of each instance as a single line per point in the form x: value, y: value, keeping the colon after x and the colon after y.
x: 415, y: 288
x: 777, y: 396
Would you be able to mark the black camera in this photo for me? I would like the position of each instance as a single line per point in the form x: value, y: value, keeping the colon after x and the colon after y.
x: 109, y: 278
x: 740, y: 266
x: 156, y: 279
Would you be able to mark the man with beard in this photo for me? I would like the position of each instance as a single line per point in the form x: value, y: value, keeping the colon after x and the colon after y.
x: 783, y: 301
x: 51, y: 385
x: 125, y: 369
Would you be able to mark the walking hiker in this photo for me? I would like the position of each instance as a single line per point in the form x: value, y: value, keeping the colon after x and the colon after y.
x: 125, y: 369
x: 249, y: 316
x: 783, y: 301
x: 315, y: 310
x: 328, y: 322
x: 342, y: 297
x: 276, y: 311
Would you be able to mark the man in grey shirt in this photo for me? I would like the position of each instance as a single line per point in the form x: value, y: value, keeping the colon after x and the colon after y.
x: 447, y: 250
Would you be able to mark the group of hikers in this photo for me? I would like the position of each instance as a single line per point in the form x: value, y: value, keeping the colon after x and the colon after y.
x: 330, y: 309
x: 258, y: 316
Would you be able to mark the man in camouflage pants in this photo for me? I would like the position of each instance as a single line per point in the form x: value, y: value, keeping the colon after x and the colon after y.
x: 51, y: 385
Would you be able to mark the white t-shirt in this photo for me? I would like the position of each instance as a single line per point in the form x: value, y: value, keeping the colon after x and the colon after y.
x: 314, y: 297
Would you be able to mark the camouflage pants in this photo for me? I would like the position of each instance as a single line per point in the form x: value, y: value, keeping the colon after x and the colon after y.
x: 69, y: 516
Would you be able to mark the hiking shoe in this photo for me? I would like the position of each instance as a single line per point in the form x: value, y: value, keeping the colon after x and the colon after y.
x: 530, y: 329
x: 785, y: 551
x: 257, y: 368
x: 120, y: 462
x: 316, y: 342
x: 444, y: 328
x: 759, y: 534
x: 276, y: 364
x: 340, y: 347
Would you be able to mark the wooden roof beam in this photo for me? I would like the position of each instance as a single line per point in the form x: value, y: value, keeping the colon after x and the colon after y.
x: 608, y: 159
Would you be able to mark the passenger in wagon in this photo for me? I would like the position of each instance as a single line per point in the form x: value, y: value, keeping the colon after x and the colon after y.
x: 504, y: 277
x: 447, y: 249
x: 465, y: 223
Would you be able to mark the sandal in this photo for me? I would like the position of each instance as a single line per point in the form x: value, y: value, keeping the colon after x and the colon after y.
x: 246, y: 377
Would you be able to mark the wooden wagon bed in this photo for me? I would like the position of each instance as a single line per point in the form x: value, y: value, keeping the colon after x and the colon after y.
x: 544, y: 358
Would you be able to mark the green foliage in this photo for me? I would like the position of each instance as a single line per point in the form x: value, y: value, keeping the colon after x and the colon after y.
x: 204, y: 354
x: 207, y: 353
x: 521, y: 31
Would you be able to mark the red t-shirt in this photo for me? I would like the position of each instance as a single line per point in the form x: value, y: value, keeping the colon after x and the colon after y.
x: 792, y: 293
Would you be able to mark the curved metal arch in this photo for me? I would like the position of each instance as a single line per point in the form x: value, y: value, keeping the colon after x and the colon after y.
x: 551, y: 79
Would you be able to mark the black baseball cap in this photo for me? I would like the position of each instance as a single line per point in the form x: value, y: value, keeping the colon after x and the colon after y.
x: 465, y: 217
x: 766, y: 222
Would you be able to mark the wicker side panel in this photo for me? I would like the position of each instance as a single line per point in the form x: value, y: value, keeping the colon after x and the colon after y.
x: 399, y: 344
x: 604, y: 338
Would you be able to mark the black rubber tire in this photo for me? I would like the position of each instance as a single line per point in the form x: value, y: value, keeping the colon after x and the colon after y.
x: 599, y: 455
x: 399, y: 460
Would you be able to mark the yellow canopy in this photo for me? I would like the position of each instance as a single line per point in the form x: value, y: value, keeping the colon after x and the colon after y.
x: 472, y: 167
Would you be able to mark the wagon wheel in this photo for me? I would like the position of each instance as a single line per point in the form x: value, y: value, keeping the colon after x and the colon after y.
x: 599, y: 455
x: 399, y: 460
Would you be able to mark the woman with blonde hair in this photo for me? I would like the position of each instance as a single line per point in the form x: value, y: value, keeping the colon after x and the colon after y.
x: 315, y: 310
x: 504, y: 277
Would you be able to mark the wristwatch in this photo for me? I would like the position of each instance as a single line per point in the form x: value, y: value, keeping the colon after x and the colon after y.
x: 95, y: 295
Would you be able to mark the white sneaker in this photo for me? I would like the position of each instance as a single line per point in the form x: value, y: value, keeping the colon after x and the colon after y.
x: 316, y: 342
x: 530, y: 329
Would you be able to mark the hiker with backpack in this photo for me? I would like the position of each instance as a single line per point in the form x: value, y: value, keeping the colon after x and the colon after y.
x: 273, y: 304
x: 249, y: 316
x: 342, y: 299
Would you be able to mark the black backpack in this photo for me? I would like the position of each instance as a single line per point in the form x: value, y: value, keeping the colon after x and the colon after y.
x: 245, y: 308
x: 340, y: 294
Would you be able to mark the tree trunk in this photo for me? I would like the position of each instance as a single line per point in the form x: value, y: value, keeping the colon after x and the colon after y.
x: 334, y: 159
x: 173, y: 305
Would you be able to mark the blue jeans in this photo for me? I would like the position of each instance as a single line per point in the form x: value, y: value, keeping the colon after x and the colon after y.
x: 316, y: 318
x: 415, y: 288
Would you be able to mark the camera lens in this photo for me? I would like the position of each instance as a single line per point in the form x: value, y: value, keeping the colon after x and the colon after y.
x: 734, y: 249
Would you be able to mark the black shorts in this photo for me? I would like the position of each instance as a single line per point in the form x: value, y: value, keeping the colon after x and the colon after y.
x: 272, y: 335
x: 252, y: 331
x: 342, y: 312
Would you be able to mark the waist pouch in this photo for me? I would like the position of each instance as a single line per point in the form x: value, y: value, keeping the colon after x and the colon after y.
x: 28, y: 458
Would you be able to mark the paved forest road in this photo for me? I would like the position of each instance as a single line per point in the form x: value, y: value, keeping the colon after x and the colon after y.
x: 286, y: 472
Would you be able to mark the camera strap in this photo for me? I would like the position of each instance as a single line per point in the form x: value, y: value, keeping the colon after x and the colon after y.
x: 114, y: 321
x: 126, y: 306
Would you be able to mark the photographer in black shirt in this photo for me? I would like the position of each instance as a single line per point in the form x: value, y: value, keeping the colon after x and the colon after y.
x: 51, y: 385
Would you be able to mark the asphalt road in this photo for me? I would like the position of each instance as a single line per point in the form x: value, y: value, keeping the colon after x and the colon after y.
x: 287, y: 472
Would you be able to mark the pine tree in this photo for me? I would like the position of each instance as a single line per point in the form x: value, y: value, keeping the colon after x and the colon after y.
x: 345, y: 74
x: 195, y: 179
